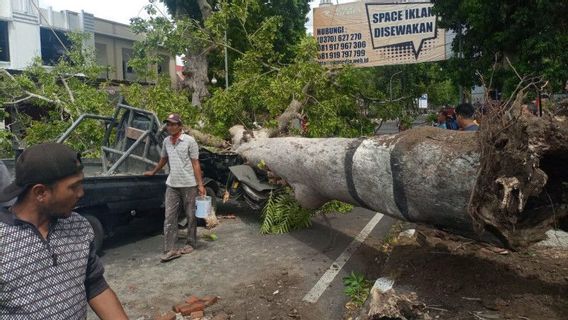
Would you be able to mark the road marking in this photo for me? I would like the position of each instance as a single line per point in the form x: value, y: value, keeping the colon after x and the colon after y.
x: 324, y: 282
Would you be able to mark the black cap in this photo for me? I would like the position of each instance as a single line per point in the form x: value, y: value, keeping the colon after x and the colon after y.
x: 43, y: 163
x: 173, y: 118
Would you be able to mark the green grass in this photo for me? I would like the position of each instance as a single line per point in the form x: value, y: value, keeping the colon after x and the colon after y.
x: 357, y: 288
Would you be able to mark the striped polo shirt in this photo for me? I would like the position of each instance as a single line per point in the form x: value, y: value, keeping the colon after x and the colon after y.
x: 179, y: 160
x: 49, y: 278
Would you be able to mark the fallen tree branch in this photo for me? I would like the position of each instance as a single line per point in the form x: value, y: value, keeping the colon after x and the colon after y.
x: 208, y: 139
x: 28, y: 94
x: 14, y: 102
x: 69, y: 92
x: 292, y: 111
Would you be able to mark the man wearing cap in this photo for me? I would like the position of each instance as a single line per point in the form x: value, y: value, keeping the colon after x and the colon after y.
x: 181, y: 152
x: 48, y: 265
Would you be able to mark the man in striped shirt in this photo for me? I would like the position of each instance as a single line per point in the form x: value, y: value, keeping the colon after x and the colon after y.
x: 48, y: 265
x: 181, y: 152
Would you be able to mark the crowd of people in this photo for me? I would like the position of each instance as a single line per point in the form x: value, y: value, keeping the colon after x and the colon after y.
x: 461, y: 118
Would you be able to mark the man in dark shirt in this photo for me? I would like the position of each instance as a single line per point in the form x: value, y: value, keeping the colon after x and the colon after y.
x: 48, y: 265
x: 465, y: 113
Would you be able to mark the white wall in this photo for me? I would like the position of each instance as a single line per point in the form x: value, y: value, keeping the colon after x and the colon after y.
x: 6, y: 9
x: 25, y: 44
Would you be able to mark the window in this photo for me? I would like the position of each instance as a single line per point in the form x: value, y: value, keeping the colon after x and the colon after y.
x: 164, y: 65
x: 127, y: 71
x: 102, y: 59
x: 51, y: 47
x: 4, y: 45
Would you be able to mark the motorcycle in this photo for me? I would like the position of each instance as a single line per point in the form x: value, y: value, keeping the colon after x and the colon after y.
x: 227, y: 177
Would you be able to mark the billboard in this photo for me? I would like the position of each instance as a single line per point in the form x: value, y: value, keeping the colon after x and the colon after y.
x: 367, y: 34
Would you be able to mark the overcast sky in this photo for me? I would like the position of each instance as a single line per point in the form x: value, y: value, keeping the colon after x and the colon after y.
x: 115, y: 10
x: 122, y: 10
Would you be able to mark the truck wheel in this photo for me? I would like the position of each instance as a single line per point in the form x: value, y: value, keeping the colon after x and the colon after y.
x: 98, y: 229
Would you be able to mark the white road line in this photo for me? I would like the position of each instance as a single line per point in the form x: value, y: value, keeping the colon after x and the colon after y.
x: 337, y: 265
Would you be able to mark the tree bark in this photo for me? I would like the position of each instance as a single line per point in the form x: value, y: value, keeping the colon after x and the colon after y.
x: 424, y: 175
x: 196, y: 68
x: 196, y: 65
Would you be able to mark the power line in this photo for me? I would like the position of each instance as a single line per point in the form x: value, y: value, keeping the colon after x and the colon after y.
x: 50, y: 27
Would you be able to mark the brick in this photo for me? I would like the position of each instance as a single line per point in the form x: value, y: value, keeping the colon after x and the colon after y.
x: 192, y: 300
x: 177, y: 308
x: 170, y: 315
x: 209, y: 300
x: 187, y: 309
x: 196, y: 315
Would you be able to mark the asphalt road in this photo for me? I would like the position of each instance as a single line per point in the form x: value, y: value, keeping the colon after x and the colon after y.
x: 240, y: 256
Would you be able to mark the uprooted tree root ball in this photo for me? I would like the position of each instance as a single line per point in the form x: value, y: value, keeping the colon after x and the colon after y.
x: 522, y: 183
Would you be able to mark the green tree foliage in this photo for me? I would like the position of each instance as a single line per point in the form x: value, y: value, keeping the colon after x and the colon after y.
x: 57, y: 96
x: 260, y: 94
x: 262, y: 86
x: 291, y: 12
x: 162, y: 99
x: 196, y: 35
x: 533, y: 34
x: 335, y: 206
x: 283, y: 214
x: 390, y: 92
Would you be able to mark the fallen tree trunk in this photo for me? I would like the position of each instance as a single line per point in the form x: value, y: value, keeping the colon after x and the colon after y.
x: 428, y: 176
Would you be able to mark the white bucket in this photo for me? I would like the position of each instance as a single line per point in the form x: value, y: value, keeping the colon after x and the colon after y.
x: 203, y: 206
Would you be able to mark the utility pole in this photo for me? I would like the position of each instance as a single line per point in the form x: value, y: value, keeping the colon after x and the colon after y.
x: 460, y: 55
x: 226, y: 64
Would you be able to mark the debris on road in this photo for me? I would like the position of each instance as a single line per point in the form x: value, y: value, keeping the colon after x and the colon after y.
x: 193, y: 306
x: 391, y: 304
x: 210, y: 237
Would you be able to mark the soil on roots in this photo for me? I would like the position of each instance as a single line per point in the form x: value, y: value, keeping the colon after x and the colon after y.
x: 521, y: 185
x: 459, y: 280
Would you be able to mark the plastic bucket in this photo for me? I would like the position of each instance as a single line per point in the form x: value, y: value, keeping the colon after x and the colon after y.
x: 203, y: 206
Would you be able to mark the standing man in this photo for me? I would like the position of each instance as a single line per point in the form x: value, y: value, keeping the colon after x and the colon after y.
x: 465, y: 113
x: 442, y: 119
x: 181, y: 152
x: 48, y: 265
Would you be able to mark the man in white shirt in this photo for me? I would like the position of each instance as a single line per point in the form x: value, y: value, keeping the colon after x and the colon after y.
x: 181, y: 152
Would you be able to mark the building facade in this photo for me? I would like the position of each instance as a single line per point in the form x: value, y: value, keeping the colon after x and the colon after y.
x: 28, y: 31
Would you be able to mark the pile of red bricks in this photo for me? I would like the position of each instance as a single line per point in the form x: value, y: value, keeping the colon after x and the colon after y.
x: 193, y: 307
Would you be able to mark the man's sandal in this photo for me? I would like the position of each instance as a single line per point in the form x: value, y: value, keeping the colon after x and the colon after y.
x: 187, y: 249
x: 170, y: 255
